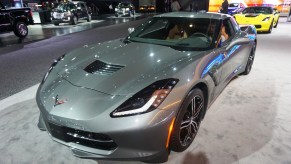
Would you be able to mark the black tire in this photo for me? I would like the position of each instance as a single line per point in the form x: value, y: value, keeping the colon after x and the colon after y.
x: 89, y: 18
x: 74, y: 20
x: 276, y: 23
x: 56, y: 23
x: 250, y: 61
x: 188, y: 121
x: 271, y: 27
x: 20, y: 29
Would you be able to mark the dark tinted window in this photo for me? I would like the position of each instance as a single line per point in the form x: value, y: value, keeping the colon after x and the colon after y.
x: 233, y: 4
x: 182, y: 33
x: 258, y: 10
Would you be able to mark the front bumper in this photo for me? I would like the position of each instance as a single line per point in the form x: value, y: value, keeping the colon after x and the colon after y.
x: 122, y: 13
x: 260, y: 26
x: 141, y: 137
x: 62, y: 20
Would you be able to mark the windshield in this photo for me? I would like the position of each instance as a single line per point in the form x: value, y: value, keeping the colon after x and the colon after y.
x: 234, y: 5
x: 124, y: 5
x: 258, y: 10
x: 66, y: 6
x: 181, y: 33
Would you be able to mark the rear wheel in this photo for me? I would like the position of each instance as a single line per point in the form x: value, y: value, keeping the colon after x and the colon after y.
x: 250, y: 61
x: 275, y: 26
x: 271, y: 27
x: 20, y: 29
x: 188, y: 121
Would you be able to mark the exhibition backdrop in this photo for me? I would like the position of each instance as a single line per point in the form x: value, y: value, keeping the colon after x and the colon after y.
x: 281, y: 5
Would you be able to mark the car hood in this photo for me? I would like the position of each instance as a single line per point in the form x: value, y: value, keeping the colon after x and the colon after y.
x: 116, y: 68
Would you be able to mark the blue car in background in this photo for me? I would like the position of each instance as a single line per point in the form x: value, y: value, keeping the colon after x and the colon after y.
x: 234, y: 8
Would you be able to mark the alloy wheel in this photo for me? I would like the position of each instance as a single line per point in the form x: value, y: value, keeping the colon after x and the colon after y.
x: 22, y: 29
x: 191, y: 121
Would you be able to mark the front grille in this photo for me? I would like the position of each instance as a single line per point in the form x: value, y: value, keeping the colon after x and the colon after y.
x: 89, y: 139
x: 258, y: 26
x: 101, y: 68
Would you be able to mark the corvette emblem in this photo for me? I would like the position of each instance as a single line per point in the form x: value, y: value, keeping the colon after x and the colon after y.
x: 59, y: 102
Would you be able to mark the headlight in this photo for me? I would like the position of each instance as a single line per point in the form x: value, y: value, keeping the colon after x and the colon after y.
x: 52, y: 67
x: 147, y: 99
x: 127, y: 9
x: 266, y: 19
x: 67, y: 14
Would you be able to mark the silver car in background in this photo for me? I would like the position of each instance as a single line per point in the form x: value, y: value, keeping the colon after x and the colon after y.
x: 140, y: 97
x: 124, y: 9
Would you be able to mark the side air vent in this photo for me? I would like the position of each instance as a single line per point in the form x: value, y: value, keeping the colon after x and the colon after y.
x: 101, y: 68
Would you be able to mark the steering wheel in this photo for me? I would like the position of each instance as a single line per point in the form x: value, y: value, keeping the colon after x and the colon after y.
x: 201, y: 34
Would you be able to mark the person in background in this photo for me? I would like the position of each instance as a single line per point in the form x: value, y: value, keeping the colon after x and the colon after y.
x: 224, y: 7
x: 175, y: 6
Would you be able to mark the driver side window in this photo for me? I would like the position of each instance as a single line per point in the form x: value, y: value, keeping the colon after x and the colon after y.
x: 227, y: 31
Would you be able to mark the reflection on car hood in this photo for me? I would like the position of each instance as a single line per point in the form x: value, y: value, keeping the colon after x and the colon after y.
x: 131, y: 66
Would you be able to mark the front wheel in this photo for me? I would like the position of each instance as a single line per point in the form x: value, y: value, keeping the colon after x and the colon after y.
x: 55, y: 23
x: 188, y: 121
x: 20, y: 30
x: 74, y: 20
x: 89, y: 18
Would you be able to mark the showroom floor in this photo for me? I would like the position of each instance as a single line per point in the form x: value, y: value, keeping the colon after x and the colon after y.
x: 250, y: 122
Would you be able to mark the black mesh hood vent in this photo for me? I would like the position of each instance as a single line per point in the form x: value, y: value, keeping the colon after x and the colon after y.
x: 251, y: 15
x: 101, y: 68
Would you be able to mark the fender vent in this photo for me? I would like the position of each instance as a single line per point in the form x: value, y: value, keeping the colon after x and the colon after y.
x: 101, y: 68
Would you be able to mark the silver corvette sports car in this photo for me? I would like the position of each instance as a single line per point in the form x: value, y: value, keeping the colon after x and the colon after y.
x: 140, y: 97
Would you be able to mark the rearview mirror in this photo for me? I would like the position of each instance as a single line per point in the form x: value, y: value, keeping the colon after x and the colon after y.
x: 130, y: 30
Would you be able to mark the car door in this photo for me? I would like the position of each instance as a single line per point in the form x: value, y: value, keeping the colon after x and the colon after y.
x: 233, y: 54
x: 83, y: 10
x: 4, y: 18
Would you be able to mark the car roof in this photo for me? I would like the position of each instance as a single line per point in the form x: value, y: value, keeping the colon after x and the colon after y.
x: 260, y: 7
x: 200, y: 14
x: 75, y: 2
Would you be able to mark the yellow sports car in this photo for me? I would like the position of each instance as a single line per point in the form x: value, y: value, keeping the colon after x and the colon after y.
x: 261, y: 17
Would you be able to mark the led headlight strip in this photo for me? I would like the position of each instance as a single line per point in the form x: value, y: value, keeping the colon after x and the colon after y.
x: 146, y: 100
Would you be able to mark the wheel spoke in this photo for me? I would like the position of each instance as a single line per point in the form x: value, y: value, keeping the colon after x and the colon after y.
x: 193, y: 106
x: 198, y: 109
x: 185, y: 124
x: 195, y: 126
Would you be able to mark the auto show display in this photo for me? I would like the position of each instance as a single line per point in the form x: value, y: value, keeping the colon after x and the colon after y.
x: 140, y: 97
x: 70, y: 12
x: 124, y: 9
x: 16, y: 20
x: 263, y: 18
x: 234, y: 8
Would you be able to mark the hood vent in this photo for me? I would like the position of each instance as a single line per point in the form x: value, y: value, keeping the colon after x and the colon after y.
x: 251, y: 15
x: 100, y: 68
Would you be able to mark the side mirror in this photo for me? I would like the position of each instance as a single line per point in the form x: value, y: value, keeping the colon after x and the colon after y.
x: 130, y: 30
x: 243, y: 34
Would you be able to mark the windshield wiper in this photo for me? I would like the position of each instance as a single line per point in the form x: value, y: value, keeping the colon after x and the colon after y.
x: 126, y: 40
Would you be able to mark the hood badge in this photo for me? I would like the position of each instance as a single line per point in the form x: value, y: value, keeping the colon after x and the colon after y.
x: 59, y: 102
